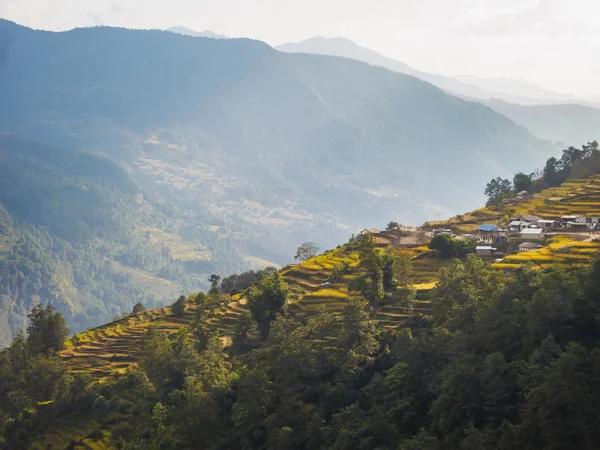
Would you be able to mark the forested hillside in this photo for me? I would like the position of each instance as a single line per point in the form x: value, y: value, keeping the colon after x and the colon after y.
x: 268, y: 148
x: 72, y: 234
x: 503, y: 360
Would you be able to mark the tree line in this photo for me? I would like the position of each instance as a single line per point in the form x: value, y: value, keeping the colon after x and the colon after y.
x: 574, y: 162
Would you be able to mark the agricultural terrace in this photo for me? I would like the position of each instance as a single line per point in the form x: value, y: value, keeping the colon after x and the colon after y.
x: 112, y: 348
x: 574, y: 197
x: 562, y: 250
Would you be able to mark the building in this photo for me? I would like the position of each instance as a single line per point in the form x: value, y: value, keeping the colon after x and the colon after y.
x: 536, y: 234
x: 369, y: 231
x: 579, y: 226
x: 547, y: 224
x: 491, y: 234
x: 485, y: 250
x: 443, y: 231
x: 524, y: 195
x: 564, y: 220
x: 529, y: 246
x: 529, y: 218
x: 517, y: 225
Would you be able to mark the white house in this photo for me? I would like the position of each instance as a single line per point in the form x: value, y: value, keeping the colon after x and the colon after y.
x: 547, y: 224
x: 564, y: 220
x: 532, y: 233
x: 485, y: 250
x: 529, y: 246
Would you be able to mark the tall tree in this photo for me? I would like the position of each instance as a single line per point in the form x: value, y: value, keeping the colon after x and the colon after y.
x: 267, y: 299
x: 306, y: 250
x: 497, y: 189
x: 47, y: 330
x: 522, y: 182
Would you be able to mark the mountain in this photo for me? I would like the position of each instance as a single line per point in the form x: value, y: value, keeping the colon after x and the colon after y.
x: 339, y: 46
x: 532, y: 107
x: 187, y: 32
x: 524, y: 89
x: 462, y: 86
x: 374, y: 357
x: 254, y: 150
x: 568, y: 124
x: 71, y: 235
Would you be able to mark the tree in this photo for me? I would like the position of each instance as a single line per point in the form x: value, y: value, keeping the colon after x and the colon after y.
x: 358, y: 336
x: 402, y: 269
x: 497, y: 189
x: 138, y: 308
x: 47, y: 330
x: 449, y: 247
x: 306, y: 251
x: 392, y: 226
x: 214, y: 284
x: 550, y: 171
x: 267, y: 299
x: 179, y: 306
x: 522, y: 182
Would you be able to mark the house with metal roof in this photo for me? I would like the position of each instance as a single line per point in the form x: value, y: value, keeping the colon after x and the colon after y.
x: 492, y: 234
x: 529, y: 246
x: 532, y: 233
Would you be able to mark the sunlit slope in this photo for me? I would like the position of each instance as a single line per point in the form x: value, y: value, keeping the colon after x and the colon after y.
x: 574, y: 197
x: 113, y: 348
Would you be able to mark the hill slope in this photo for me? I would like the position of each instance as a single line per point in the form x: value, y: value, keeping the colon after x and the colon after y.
x: 532, y: 107
x: 273, y: 148
x: 72, y: 233
x: 569, y: 124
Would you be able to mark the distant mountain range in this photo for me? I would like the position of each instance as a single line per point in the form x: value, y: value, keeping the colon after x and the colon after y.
x: 253, y: 150
x: 187, y: 32
x: 518, y: 91
x: 523, y: 102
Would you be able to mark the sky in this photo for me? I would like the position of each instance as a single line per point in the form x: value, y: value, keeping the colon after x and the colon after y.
x: 552, y: 43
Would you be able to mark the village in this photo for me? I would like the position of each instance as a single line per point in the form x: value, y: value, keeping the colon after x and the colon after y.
x: 526, y: 232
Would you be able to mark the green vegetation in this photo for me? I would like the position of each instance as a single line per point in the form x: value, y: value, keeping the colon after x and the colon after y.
x: 504, y: 360
x: 448, y: 247
x: 192, y: 140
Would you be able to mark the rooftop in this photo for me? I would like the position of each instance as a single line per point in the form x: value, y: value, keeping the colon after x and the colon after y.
x: 532, y: 231
x: 488, y: 227
x: 530, y: 245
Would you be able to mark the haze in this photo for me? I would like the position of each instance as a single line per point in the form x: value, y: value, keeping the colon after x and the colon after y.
x: 552, y: 43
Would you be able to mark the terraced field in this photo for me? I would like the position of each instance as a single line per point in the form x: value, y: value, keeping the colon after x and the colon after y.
x: 574, y: 197
x: 112, y: 348
x: 563, y: 250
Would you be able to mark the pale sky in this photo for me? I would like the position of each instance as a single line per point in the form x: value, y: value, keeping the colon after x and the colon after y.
x: 552, y: 43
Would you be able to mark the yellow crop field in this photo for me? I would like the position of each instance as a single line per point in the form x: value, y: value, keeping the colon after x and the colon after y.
x: 562, y: 250
x: 328, y: 293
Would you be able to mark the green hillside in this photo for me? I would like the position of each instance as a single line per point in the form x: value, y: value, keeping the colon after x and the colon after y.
x: 272, y: 148
x: 72, y: 233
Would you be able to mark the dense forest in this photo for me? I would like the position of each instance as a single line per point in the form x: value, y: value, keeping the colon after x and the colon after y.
x: 70, y: 235
x: 506, y: 361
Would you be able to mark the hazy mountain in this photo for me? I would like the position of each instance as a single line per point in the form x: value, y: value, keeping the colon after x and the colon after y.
x: 523, y: 89
x: 258, y: 150
x: 70, y: 234
x: 569, y: 124
x: 187, y: 32
x: 343, y: 47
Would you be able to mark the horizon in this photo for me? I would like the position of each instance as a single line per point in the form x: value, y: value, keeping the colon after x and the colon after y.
x: 529, y: 41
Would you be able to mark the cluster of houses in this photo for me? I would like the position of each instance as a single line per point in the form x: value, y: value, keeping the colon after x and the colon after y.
x: 531, y: 229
